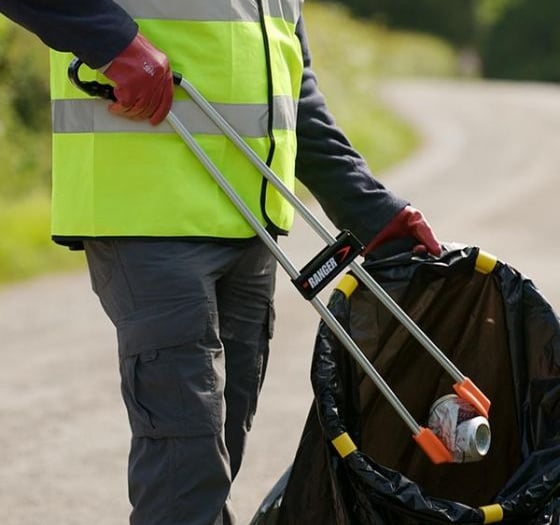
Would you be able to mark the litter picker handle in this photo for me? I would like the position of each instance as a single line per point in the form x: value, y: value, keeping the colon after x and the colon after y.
x: 91, y: 87
x: 97, y: 89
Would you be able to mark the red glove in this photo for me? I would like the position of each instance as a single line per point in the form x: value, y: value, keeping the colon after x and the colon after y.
x: 143, y: 82
x: 409, y: 222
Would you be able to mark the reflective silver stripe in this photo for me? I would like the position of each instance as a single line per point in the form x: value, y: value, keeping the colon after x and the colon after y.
x: 196, y: 10
x: 286, y: 9
x: 210, y: 10
x: 249, y: 120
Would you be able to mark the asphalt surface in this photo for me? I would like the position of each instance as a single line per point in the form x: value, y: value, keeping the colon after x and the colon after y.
x: 487, y: 175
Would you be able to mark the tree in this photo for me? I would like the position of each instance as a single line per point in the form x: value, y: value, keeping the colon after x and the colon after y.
x: 524, y: 44
x: 453, y: 20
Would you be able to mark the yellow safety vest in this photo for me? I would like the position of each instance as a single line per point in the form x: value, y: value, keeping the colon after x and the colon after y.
x: 116, y: 177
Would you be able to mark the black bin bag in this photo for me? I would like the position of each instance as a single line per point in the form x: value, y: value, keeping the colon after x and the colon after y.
x: 499, y: 330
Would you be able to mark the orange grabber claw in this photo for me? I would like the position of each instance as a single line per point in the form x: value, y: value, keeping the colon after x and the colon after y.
x: 469, y: 392
x: 432, y: 446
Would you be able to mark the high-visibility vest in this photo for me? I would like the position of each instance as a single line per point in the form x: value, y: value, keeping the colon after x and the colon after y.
x: 115, y: 177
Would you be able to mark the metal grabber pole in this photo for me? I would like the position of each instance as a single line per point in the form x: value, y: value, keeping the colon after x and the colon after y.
x: 340, y: 252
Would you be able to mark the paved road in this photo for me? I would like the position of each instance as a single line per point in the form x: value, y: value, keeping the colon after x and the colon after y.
x: 487, y: 175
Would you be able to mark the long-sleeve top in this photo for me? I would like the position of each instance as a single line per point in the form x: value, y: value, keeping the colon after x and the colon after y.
x: 98, y: 30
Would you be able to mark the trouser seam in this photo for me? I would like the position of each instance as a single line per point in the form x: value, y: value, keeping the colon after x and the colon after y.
x: 126, y: 279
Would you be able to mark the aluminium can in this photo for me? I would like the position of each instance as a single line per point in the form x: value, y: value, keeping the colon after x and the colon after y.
x: 464, y: 432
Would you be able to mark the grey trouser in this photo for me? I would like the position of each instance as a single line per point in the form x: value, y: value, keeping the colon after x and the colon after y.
x: 193, y: 323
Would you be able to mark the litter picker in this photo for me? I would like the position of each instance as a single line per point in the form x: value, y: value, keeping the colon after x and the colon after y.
x: 339, y: 253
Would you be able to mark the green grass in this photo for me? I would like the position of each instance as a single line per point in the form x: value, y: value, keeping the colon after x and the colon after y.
x: 349, y: 56
x: 26, y: 248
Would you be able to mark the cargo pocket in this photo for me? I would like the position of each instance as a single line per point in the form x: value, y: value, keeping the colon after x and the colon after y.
x: 140, y: 419
x: 162, y: 326
x: 174, y: 392
x: 172, y: 375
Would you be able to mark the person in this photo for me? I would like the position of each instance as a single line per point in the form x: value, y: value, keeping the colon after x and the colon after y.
x: 179, y: 272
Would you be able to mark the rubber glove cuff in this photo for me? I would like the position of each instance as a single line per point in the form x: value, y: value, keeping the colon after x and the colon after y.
x: 409, y: 223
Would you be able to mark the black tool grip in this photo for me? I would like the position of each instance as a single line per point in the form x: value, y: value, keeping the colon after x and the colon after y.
x: 94, y: 88
x: 327, y: 264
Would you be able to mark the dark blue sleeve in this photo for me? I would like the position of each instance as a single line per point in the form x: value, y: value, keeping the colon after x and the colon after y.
x: 334, y: 172
x: 94, y: 30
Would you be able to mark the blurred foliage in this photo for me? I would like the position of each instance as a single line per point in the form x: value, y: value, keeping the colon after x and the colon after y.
x: 24, y: 110
x: 488, y: 12
x: 510, y: 39
x: 460, y: 22
x: 26, y: 248
x: 524, y: 43
x: 452, y: 20
x: 25, y: 157
x: 349, y: 63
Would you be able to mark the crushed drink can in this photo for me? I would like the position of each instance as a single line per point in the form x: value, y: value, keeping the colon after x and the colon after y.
x: 464, y: 432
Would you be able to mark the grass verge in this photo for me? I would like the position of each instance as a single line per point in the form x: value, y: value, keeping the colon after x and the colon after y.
x: 26, y: 248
